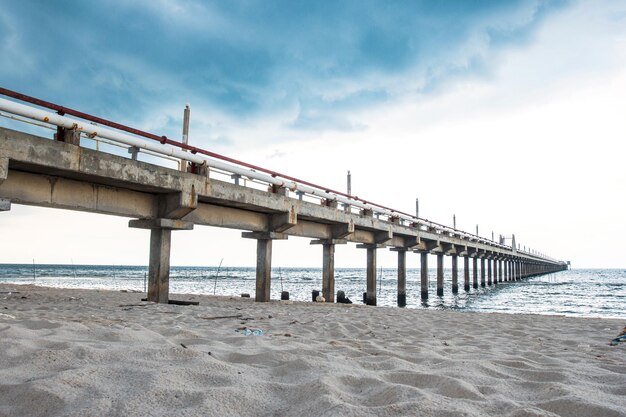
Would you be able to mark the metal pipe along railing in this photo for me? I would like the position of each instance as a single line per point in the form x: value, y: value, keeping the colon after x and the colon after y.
x: 186, y: 152
x: 99, y: 131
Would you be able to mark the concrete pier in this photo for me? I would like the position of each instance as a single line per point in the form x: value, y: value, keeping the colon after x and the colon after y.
x: 440, y: 275
x: 59, y: 174
x: 370, y: 299
x: 263, y: 269
x: 263, y: 262
x: 401, y: 278
x: 455, y: 274
x: 424, y: 274
x: 159, y: 266
x: 506, y: 270
x: 489, y: 272
x: 328, y: 272
x: 466, y: 274
x: 482, y: 271
x: 475, y: 272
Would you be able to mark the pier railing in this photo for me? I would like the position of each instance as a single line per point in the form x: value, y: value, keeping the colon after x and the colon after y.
x: 116, y: 134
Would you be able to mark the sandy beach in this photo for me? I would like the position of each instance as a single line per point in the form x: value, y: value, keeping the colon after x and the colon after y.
x: 104, y: 353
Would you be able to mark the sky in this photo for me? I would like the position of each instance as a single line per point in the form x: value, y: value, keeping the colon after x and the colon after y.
x: 508, y: 115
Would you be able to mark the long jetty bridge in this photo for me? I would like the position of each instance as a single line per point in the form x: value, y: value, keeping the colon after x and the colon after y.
x: 266, y: 205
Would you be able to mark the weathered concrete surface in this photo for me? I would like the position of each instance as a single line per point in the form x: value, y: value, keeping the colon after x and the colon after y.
x: 57, y: 174
x: 5, y: 205
x: 159, y: 267
x: 41, y: 172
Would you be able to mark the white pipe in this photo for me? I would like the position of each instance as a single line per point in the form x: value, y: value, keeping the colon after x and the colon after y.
x: 103, y: 132
x: 106, y: 133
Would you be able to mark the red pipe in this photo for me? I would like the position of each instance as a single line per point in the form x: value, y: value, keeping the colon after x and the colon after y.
x: 164, y: 140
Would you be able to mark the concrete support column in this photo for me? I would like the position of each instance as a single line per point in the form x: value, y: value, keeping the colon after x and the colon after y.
x: 370, y: 298
x: 488, y: 271
x: 500, y: 270
x: 424, y: 274
x: 401, y: 278
x: 263, y: 262
x: 5, y: 205
x: 440, y: 275
x: 263, y: 269
x: 328, y: 272
x: 482, y: 272
x: 466, y: 274
x: 455, y: 274
x: 495, y: 272
x: 159, y: 261
x: 475, y: 273
x: 507, y: 270
x: 159, y: 266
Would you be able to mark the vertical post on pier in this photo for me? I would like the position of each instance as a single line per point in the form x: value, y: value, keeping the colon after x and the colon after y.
x: 159, y: 261
x: 424, y: 274
x: 466, y: 274
x: 500, y: 270
x: 455, y: 274
x: 488, y: 271
x: 159, y: 267
x: 401, y: 278
x: 263, y: 269
x: 440, y: 275
x: 263, y: 262
x: 475, y: 272
x: 511, y: 270
x: 482, y: 271
x: 183, y: 163
x: 328, y: 272
x: 370, y: 298
x: 505, y: 270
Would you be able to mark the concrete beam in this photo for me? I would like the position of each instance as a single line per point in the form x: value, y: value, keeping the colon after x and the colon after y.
x: 283, y: 221
x: 169, y: 224
x: 329, y: 242
x: 48, y: 191
x: 264, y: 235
x: 178, y: 205
x: 340, y: 231
x: 383, y: 237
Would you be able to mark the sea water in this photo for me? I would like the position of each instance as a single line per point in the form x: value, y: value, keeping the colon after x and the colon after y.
x: 579, y: 292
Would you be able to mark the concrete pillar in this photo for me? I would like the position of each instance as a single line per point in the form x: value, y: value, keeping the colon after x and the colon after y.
x: 328, y: 272
x: 159, y: 261
x: 466, y: 274
x: 500, y: 270
x: 506, y: 270
x: 495, y: 272
x: 440, y: 275
x: 263, y: 269
x: 370, y: 298
x: 455, y: 274
x: 482, y: 272
x: 475, y: 273
x: 401, y: 278
x: 424, y: 274
x: 5, y: 205
x: 488, y: 271
x: 159, y: 266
